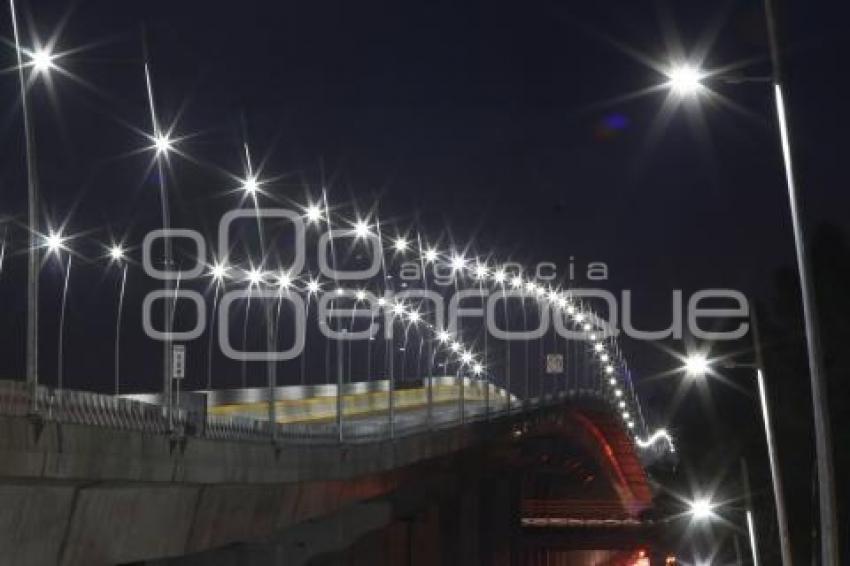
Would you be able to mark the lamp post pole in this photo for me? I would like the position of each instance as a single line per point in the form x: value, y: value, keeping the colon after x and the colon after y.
x: 32, y: 223
x: 823, y: 435
x: 168, y: 261
x: 775, y: 471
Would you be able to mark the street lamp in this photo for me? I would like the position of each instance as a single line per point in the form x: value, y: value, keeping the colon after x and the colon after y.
x: 361, y: 229
x: 701, y: 509
x: 54, y: 242
x: 430, y: 255
x: 401, y: 244
x: 42, y: 60
x: 696, y: 365
x: 313, y: 213
x: 116, y: 253
x: 685, y: 80
x: 250, y: 185
x: 162, y: 143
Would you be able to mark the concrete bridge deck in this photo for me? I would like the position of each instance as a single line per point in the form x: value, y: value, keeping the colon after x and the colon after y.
x: 113, y: 493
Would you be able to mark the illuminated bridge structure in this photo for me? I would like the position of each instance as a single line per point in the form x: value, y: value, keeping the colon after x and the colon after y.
x: 480, y: 478
x: 441, y: 445
x: 428, y: 443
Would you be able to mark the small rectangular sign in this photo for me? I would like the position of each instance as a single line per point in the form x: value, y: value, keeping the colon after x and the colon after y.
x: 178, y: 361
x: 554, y: 363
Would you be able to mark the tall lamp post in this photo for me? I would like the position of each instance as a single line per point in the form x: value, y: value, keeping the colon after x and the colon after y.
x: 42, y: 61
x: 696, y: 366
x: 162, y: 144
x: 686, y: 81
x: 823, y: 435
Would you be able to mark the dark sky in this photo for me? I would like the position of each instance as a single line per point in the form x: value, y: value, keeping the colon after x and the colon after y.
x: 492, y: 119
x: 506, y: 123
x: 487, y: 118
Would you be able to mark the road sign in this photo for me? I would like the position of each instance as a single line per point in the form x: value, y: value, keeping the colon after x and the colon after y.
x: 554, y: 363
x: 178, y: 361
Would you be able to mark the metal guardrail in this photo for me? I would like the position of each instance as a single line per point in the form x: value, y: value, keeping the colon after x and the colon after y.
x: 94, y: 409
x: 86, y: 408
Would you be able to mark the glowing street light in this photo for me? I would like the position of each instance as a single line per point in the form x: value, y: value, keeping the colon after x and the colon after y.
x: 458, y: 262
x: 116, y: 252
x: 701, y: 509
x: 54, y: 242
x: 431, y: 255
x: 443, y: 336
x: 254, y: 276
x: 313, y: 213
x: 42, y: 60
x: 361, y: 229
x: 696, y: 365
x: 219, y: 271
x: 162, y: 143
x: 284, y: 280
x: 250, y: 185
x: 685, y: 80
x: 313, y: 286
x: 401, y: 244
x: 660, y: 434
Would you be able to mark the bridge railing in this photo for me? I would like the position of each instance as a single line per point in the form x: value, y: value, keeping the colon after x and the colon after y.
x: 94, y: 409
x: 87, y: 408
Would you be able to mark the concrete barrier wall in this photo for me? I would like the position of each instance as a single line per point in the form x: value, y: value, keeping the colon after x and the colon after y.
x: 83, y: 495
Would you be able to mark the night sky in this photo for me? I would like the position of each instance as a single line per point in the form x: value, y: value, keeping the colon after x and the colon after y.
x: 518, y: 126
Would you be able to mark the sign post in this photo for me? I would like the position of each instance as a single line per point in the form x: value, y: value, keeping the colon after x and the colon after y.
x: 554, y: 364
x: 178, y: 371
x: 178, y: 362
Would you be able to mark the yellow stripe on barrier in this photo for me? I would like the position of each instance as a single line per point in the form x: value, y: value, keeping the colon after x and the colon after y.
x: 316, y: 409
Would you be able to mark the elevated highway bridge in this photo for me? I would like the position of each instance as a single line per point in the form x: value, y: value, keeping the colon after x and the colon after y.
x: 476, y: 475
